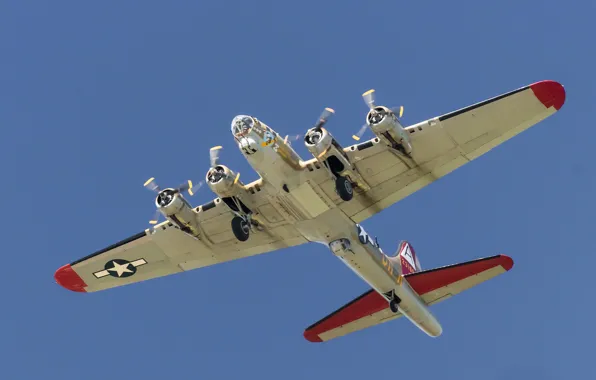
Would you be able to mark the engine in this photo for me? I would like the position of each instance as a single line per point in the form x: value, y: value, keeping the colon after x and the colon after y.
x: 387, y: 127
x: 174, y: 207
x: 325, y: 148
x: 223, y: 181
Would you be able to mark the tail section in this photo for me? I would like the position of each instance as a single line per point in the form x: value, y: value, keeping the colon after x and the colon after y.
x: 407, y: 258
x: 432, y: 286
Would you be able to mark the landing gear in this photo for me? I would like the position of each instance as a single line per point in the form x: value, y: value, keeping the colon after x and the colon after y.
x: 343, y: 185
x: 242, y: 222
x: 240, y: 228
x: 344, y: 188
x: 393, y: 306
x: 394, y: 303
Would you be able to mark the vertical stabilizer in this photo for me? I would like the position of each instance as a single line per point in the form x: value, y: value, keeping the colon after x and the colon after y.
x: 407, y: 258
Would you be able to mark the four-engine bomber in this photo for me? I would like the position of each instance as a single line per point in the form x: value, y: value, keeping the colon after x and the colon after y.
x: 293, y: 202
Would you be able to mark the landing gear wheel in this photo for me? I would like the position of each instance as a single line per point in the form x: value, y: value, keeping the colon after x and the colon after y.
x: 344, y: 188
x: 240, y: 228
x: 393, y: 306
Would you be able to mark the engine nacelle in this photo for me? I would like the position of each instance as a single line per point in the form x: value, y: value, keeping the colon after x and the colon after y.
x: 327, y: 151
x: 324, y: 147
x: 383, y: 122
x: 223, y: 181
x: 177, y: 210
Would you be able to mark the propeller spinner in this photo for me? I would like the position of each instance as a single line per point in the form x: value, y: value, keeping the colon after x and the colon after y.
x: 216, y: 172
x: 376, y: 112
x: 325, y: 115
x: 165, y: 196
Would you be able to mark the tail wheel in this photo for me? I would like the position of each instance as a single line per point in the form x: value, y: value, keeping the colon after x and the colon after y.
x: 344, y: 188
x: 393, y: 306
x: 240, y: 228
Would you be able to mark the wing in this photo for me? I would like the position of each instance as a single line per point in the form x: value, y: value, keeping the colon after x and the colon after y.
x: 442, y: 144
x: 166, y: 250
x: 433, y: 286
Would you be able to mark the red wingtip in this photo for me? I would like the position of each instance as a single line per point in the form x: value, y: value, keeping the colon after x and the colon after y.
x: 312, y: 336
x: 506, y: 262
x: 550, y: 93
x: 69, y: 279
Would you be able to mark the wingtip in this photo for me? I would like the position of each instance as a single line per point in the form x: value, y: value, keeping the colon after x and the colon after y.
x: 66, y: 277
x: 311, y: 336
x: 506, y: 262
x: 550, y: 93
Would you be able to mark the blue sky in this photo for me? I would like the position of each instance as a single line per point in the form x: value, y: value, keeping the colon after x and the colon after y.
x: 98, y: 96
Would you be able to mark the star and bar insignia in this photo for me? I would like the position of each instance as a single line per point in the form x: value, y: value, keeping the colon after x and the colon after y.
x: 120, y: 268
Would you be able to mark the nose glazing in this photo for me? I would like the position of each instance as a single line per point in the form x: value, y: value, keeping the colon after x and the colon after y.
x: 241, y: 125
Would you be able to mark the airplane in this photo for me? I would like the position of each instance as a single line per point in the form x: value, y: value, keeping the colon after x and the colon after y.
x: 325, y: 199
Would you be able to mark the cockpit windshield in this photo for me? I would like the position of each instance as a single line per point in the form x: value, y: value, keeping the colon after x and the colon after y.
x: 242, y: 125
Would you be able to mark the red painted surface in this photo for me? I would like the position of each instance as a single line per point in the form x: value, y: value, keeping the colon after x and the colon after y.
x: 406, y: 268
x: 421, y: 282
x: 367, y: 305
x: 424, y: 282
x: 550, y: 93
x: 69, y: 279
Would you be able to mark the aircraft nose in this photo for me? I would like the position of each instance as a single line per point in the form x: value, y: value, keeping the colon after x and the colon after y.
x: 242, y: 124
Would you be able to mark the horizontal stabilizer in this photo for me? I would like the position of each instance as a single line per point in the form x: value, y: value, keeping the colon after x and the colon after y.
x: 433, y: 286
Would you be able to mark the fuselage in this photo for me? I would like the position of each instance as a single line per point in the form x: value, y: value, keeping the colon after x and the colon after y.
x: 268, y: 153
x: 384, y: 274
x: 281, y: 167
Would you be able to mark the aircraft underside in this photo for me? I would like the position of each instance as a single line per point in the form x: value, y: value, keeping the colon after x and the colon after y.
x: 325, y: 199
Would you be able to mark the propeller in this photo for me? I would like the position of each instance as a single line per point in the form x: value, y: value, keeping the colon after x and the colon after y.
x: 188, y: 186
x: 214, y: 155
x: 401, y: 111
x: 327, y: 112
x: 369, y: 99
x: 325, y: 115
x: 155, y: 218
x: 358, y: 135
x: 152, y: 185
x: 216, y: 174
x: 289, y: 138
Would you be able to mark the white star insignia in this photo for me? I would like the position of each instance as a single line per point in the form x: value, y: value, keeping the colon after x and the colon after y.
x: 364, y: 235
x: 120, y: 269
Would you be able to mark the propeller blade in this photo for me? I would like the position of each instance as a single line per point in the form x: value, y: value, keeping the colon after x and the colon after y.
x: 358, y: 135
x: 291, y: 138
x: 193, y: 189
x: 369, y: 98
x: 398, y: 110
x: 214, y: 155
x: 327, y: 112
x: 155, y: 218
x: 237, y: 178
x: 185, y: 186
x: 151, y: 184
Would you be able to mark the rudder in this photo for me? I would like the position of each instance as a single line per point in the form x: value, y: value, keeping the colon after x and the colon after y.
x: 407, y: 258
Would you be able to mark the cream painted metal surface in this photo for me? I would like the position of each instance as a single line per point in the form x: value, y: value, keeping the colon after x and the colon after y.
x: 323, y: 199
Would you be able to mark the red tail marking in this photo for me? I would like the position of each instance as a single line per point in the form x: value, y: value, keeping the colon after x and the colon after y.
x: 407, y: 258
